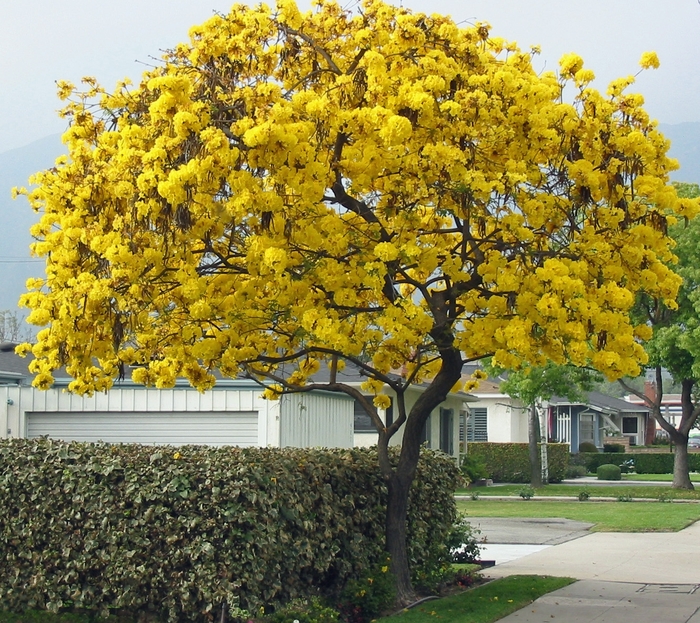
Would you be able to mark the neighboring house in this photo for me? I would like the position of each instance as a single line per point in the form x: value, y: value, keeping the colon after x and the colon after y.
x: 596, y: 418
x: 233, y: 413
x: 671, y: 409
x: 496, y: 417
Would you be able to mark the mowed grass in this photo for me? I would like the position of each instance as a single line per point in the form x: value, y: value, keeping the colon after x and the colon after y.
x: 607, y: 516
x: 594, y: 490
x: 483, y: 604
x: 694, y: 476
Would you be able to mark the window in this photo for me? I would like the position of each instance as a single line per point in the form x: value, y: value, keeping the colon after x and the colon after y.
x: 629, y: 425
x: 477, y: 427
x: 446, y: 431
x: 363, y: 423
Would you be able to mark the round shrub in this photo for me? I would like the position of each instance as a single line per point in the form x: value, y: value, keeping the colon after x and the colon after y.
x: 587, y: 446
x: 609, y: 472
x: 575, y: 471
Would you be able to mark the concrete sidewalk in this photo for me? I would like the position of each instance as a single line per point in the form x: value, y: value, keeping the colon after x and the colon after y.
x: 624, y: 578
x: 651, y: 557
x: 592, y: 601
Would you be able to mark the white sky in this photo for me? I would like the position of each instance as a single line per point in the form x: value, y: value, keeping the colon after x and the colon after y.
x: 42, y: 41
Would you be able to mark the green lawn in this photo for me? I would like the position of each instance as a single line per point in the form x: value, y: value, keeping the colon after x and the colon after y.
x: 607, y: 516
x: 694, y: 476
x: 594, y: 490
x: 482, y: 604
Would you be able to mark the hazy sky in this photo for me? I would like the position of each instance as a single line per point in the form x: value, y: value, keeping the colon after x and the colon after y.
x: 46, y: 40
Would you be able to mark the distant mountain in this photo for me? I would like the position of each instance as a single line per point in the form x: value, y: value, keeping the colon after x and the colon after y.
x: 685, y: 147
x: 16, y: 217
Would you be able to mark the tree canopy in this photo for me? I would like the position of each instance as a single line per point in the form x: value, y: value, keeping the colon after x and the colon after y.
x: 294, y: 185
x: 674, y: 344
x: 379, y: 187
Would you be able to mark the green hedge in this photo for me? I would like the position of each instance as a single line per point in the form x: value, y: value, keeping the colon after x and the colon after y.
x: 651, y: 463
x: 595, y: 459
x: 179, y: 531
x: 510, y: 462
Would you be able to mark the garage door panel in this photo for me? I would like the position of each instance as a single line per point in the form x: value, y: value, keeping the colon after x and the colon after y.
x: 239, y: 428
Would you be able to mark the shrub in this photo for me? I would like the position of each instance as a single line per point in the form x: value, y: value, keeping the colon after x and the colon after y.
x: 577, y: 458
x: 304, y: 611
x: 595, y: 460
x: 584, y: 496
x: 613, y: 447
x: 364, y: 598
x: 575, y: 471
x: 587, y: 446
x: 609, y: 472
x: 661, y: 463
x: 463, y: 542
x: 510, y: 462
x: 526, y: 493
x: 473, y: 469
x: 179, y: 531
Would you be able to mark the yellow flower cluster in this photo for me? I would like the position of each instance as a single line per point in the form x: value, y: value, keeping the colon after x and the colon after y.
x: 380, y: 185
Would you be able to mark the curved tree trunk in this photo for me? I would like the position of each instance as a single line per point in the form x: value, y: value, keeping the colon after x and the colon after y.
x: 533, y: 425
x: 399, y: 482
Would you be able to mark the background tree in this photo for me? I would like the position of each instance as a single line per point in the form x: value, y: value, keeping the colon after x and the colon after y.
x: 13, y: 327
x: 380, y: 188
x: 674, y: 346
x: 531, y: 386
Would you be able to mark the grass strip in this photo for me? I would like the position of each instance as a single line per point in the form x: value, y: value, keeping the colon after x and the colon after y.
x: 607, y: 516
x: 483, y: 604
x: 694, y: 476
x: 612, y: 491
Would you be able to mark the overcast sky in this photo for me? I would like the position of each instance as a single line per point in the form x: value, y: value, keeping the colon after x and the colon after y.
x: 46, y: 40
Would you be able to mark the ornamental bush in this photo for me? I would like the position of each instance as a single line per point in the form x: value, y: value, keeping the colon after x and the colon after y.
x: 661, y: 463
x: 609, y: 472
x: 510, y: 462
x: 178, y: 532
x: 594, y: 460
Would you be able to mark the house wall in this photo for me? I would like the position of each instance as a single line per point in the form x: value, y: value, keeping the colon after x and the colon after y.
x: 506, y: 420
x: 316, y: 420
x: 456, y: 403
x: 19, y: 402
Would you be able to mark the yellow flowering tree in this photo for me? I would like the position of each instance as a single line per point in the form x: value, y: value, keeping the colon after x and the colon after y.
x: 383, y: 188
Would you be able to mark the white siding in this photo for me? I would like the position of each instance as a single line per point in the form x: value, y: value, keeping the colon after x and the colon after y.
x: 316, y: 420
x: 215, y: 429
x: 28, y: 405
x: 507, y: 420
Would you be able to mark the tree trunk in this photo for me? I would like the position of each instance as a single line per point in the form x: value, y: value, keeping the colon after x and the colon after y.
x: 399, y: 482
x: 396, y: 516
x: 681, y: 473
x: 533, y: 424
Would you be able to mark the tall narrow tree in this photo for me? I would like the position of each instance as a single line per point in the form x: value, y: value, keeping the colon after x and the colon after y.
x: 674, y: 346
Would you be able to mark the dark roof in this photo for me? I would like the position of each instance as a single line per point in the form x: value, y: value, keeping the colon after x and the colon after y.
x: 12, y: 363
x: 601, y: 402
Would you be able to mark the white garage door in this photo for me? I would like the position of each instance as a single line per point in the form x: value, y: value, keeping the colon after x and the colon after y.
x: 215, y: 429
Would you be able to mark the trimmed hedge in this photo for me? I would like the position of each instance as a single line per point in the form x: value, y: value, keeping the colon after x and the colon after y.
x: 651, y: 463
x: 595, y: 459
x: 609, y: 472
x: 510, y: 462
x: 179, y: 531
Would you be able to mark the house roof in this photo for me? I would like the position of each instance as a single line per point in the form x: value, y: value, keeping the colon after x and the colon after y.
x: 601, y: 402
x: 14, y: 369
